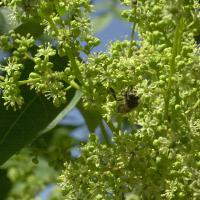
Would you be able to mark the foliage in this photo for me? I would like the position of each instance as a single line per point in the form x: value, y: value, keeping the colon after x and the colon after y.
x: 159, y: 157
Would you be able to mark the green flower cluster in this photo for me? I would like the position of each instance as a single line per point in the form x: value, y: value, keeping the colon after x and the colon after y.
x: 29, y: 179
x: 10, y: 84
x: 157, y: 169
x: 29, y: 184
x: 11, y: 92
x: 161, y: 159
x: 38, y: 165
x: 58, y: 150
x: 49, y: 83
x: 68, y: 33
x: 42, y: 79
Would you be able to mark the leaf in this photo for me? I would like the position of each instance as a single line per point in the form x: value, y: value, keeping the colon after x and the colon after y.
x: 24, y: 29
x: 91, y: 117
x: 6, y: 184
x: 100, y: 22
x: 69, y: 107
x: 20, y: 128
x: 61, y: 11
x: 117, y: 12
x: 4, y: 23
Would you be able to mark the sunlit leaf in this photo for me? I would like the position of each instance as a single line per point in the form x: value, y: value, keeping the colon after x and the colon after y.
x: 69, y: 107
x: 102, y: 21
x: 4, y: 23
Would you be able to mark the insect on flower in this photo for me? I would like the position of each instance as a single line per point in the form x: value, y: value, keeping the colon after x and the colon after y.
x: 130, y: 100
x: 134, y: 1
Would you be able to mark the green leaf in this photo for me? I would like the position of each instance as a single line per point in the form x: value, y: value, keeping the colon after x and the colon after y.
x: 4, y: 23
x: 91, y: 117
x: 100, y: 22
x: 24, y: 29
x: 61, y: 11
x: 20, y: 128
x: 6, y: 184
x: 69, y: 107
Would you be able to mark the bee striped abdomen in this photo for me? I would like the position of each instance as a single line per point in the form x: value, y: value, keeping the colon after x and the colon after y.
x: 130, y: 101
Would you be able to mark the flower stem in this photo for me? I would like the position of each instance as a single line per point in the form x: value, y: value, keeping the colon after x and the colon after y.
x: 76, y: 86
x: 69, y: 54
x: 172, y: 71
x: 188, y: 112
x: 132, y: 36
x: 76, y: 69
x: 20, y: 82
x: 103, y: 131
x: 53, y: 26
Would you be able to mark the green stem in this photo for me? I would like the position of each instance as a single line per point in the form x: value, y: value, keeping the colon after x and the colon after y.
x: 103, y: 131
x: 28, y: 81
x: 68, y: 88
x: 180, y: 36
x: 112, y: 127
x: 131, y: 122
x: 29, y: 57
x: 119, y: 125
x: 53, y: 26
x: 76, y: 86
x: 192, y: 109
x: 158, y: 91
x: 69, y: 54
x: 132, y: 36
x: 177, y: 100
x: 172, y: 71
x: 178, y: 53
x: 20, y: 82
x: 70, y: 18
x: 76, y: 69
x: 190, y: 25
x: 81, y: 49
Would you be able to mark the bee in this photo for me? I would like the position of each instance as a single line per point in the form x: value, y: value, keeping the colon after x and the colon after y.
x: 134, y: 1
x: 130, y: 100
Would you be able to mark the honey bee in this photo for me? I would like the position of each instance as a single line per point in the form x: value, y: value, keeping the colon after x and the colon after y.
x: 134, y: 1
x: 130, y: 100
